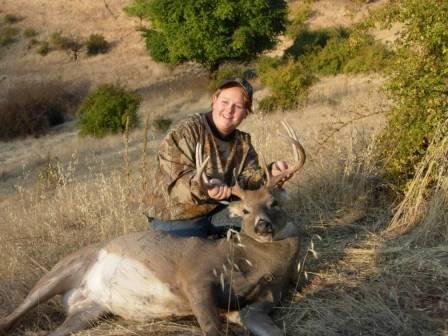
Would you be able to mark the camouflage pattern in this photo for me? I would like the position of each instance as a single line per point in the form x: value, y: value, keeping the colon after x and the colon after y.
x: 176, y: 195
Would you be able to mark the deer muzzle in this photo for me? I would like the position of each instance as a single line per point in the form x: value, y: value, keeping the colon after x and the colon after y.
x: 263, y: 227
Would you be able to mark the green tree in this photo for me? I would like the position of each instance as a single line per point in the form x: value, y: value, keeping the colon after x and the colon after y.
x: 418, y: 83
x: 138, y: 8
x: 210, y: 31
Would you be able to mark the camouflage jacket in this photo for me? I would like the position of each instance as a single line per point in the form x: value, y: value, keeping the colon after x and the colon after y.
x: 176, y: 195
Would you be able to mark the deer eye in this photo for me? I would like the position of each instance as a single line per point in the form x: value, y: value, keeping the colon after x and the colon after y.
x: 275, y: 204
x: 245, y: 211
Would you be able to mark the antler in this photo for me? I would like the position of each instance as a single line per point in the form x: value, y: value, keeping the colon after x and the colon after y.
x: 236, y: 189
x: 299, y: 157
x: 204, y: 181
x: 201, y: 177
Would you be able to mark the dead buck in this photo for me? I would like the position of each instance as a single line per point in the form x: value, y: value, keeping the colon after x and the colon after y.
x: 153, y: 275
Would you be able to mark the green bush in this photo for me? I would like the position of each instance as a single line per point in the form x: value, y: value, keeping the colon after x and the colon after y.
x: 417, y: 85
x: 44, y: 48
x: 8, y: 35
x: 58, y: 41
x: 31, y: 109
x: 355, y: 53
x: 71, y: 44
x: 61, y: 42
x: 310, y: 41
x: 137, y: 8
x: 157, y: 44
x: 289, y: 83
x: 106, y: 109
x: 299, y: 16
x: 339, y: 50
x: 30, y: 32
x: 97, y: 44
x: 322, y: 52
x: 162, y: 124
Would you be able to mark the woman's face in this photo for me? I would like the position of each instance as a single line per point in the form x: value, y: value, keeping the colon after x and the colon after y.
x: 229, y: 109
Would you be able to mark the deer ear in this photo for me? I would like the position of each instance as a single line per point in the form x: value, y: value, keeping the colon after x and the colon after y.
x: 236, y: 209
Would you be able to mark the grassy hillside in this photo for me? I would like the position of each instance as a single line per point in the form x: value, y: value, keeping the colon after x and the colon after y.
x: 380, y: 267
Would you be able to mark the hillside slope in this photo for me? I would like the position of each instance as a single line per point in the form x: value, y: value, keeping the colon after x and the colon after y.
x: 127, y: 62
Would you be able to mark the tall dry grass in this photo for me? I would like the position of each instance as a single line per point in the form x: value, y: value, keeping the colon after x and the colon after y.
x: 364, y: 281
x: 384, y: 280
x: 44, y: 222
x: 41, y: 224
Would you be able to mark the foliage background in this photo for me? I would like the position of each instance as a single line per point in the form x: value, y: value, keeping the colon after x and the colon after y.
x: 209, y: 32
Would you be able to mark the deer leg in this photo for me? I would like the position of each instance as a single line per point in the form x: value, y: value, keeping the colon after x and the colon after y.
x: 44, y: 290
x: 66, y: 275
x: 204, y: 309
x: 255, y: 318
x: 80, y: 317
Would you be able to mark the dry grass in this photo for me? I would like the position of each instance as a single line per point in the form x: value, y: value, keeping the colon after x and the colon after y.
x: 364, y: 282
x: 389, y: 280
x: 425, y: 205
x: 375, y: 274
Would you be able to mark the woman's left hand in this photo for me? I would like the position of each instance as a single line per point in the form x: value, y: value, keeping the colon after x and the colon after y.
x: 278, y: 168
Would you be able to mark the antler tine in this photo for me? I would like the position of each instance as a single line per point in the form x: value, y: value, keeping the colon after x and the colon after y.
x: 200, y: 167
x: 299, y: 157
x: 293, y: 136
x: 266, y: 169
x: 236, y: 189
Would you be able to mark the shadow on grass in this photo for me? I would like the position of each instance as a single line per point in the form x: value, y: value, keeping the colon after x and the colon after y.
x: 311, y: 41
x: 364, y: 283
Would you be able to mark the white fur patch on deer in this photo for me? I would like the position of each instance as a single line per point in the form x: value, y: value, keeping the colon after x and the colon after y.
x: 128, y: 288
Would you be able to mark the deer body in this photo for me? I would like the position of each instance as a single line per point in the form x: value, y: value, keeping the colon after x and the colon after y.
x: 147, y: 275
x: 140, y: 276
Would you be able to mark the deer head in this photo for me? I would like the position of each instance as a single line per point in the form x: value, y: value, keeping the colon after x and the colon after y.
x: 263, y: 217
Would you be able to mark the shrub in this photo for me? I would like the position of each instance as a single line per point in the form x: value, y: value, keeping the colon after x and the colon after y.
x: 162, y: 124
x: 30, y: 32
x: 106, y: 109
x: 12, y: 18
x: 339, y: 50
x: 137, y: 8
x: 44, y: 48
x: 8, y: 35
x: 58, y: 41
x: 298, y: 15
x: 417, y: 85
x: 72, y: 44
x: 309, y: 41
x: 32, y: 43
x: 31, y: 109
x: 289, y: 83
x: 353, y: 53
x: 97, y: 44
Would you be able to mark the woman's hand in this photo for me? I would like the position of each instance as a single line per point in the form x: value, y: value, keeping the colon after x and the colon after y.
x: 279, y: 167
x: 218, y: 190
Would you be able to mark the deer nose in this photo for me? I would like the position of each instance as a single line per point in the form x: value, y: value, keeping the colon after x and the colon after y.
x: 263, y: 227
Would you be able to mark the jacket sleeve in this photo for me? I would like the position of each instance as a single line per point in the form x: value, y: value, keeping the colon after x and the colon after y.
x: 178, y: 167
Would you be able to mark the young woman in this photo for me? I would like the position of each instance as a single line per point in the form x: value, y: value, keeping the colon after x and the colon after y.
x: 177, y: 203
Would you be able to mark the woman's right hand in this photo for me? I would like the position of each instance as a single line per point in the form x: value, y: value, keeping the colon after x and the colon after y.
x: 218, y: 190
